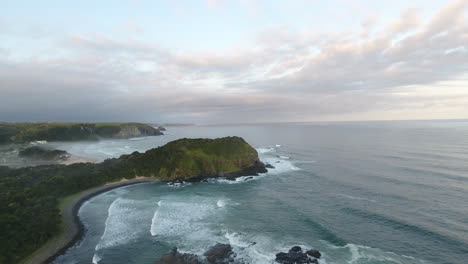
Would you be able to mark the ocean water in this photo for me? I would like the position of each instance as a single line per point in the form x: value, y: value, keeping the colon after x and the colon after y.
x: 361, y: 193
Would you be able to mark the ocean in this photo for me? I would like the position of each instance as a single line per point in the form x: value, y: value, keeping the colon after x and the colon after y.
x: 359, y: 192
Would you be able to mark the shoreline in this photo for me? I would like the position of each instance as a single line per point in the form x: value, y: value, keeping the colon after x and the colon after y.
x: 73, y: 229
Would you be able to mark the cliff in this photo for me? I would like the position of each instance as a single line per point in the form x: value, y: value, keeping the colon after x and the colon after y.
x: 26, y: 132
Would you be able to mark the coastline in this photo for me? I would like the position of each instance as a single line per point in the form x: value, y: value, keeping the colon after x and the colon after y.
x: 73, y: 229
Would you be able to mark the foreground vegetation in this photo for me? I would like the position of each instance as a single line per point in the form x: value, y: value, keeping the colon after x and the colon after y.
x: 27, y: 132
x: 29, y: 197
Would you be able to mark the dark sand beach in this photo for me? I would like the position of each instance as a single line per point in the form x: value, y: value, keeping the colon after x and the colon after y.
x: 73, y: 228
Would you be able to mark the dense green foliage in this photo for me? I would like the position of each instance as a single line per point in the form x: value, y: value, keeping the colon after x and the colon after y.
x: 26, y: 132
x: 188, y: 158
x: 39, y: 153
x: 29, y: 196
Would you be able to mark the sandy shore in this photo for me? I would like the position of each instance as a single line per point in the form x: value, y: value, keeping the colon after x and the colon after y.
x: 73, y: 228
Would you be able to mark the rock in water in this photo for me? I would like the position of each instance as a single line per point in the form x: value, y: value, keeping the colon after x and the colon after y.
x: 314, y: 253
x: 174, y: 257
x: 296, y: 256
x: 219, y: 254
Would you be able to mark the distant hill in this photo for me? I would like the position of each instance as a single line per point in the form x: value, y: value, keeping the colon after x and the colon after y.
x: 27, y: 132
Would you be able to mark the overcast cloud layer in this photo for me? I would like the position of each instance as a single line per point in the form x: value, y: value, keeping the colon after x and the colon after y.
x: 413, y: 67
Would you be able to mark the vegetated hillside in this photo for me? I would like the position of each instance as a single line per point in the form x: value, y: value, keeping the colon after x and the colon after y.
x: 187, y: 159
x: 29, y: 214
x: 26, y: 132
x: 36, y: 152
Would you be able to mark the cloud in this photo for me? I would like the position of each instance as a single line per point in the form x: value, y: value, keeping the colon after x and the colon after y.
x: 282, y: 75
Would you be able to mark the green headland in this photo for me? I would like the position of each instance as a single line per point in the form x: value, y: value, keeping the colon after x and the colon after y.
x: 30, y: 196
x: 27, y: 132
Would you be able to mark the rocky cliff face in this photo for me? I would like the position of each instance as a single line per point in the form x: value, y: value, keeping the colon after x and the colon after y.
x: 136, y: 130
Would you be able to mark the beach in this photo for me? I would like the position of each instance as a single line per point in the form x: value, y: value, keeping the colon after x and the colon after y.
x: 73, y: 229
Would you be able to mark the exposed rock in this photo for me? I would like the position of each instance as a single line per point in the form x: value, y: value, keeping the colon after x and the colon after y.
x: 314, y: 253
x: 258, y: 167
x: 269, y: 166
x: 220, y: 254
x: 296, y: 256
x: 174, y: 257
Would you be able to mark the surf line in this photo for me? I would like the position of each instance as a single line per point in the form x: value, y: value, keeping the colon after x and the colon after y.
x: 73, y: 227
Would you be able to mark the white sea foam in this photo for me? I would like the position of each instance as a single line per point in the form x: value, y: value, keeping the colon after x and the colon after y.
x: 178, y: 185
x: 138, y: 138
x: 355, y: 254
x: 123, y: 223
x: 305, y: 161
x: 175, y: 218
x: 265, y: 150
x: 96, y: 258
x: 190, y: 222
x: 278, y: 146
x: 236, y: 240
x: 154, y: 219
x: 236, y: 180
x: 221, y: 203
x: 38, y: 142
x: 360, y: 253
x: 252, y: 248
x: 280, y: 165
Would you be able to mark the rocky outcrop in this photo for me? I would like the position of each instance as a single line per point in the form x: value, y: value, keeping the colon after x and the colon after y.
x: 223, y: 254
x: 39, y: 153
x: 314, y: 253
x: 175, y: 257
x: 217, y: 254
x: 220, y: 254
x: 136, y: 130
x: 297, y: 256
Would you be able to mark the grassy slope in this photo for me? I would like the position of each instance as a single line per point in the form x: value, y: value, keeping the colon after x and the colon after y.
x: 188, y: 158
x: 30, y: 197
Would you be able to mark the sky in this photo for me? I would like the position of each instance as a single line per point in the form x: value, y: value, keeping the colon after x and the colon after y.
x: 238, y: 61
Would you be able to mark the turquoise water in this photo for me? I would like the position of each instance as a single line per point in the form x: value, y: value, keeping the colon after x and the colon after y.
x: 375, y: 192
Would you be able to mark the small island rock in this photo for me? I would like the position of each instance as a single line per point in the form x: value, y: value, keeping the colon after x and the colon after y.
x: 174, y: 257
x: 296, y: 256
x: 219, y: 254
